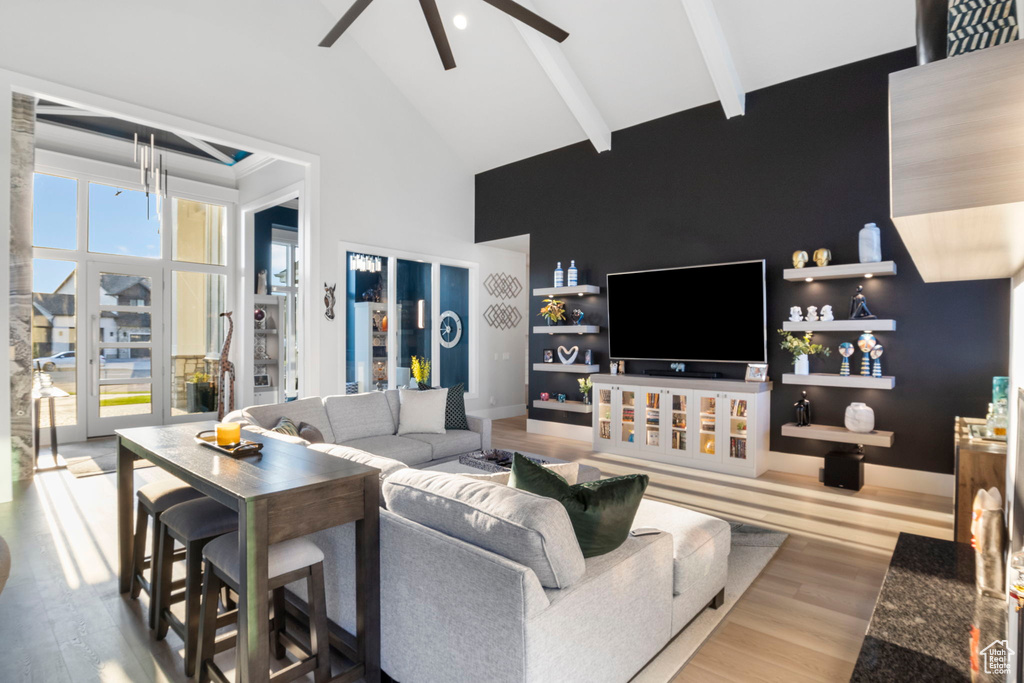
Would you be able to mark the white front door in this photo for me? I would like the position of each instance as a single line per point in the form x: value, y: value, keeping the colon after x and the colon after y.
x: 124, y: 346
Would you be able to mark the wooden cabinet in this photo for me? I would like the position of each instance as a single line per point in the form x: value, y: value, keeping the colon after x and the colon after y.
x: 979, y: 465
x: 684, y: 422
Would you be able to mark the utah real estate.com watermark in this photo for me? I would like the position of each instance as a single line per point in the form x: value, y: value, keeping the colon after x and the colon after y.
x: 996, y: 657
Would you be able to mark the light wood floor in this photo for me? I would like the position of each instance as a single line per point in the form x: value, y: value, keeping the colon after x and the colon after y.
x: 62, y: 619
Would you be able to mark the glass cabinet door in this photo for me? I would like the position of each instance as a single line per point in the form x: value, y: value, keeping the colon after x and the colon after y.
x: 708, y: 420
x: 738, y: 408
x: 627, y: 416
x: 604, y: 415
x: 678, y: 423
x: 652, y: 420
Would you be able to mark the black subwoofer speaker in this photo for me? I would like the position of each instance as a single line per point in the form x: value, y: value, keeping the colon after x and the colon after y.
x: 844, y: 470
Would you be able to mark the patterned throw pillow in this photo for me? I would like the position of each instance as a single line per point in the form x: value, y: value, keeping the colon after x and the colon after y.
x: 310, y: 433
x: 286, y: 426
x: 455, y: 412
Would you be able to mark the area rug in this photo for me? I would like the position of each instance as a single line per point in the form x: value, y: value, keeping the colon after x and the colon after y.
x: 751, y: 549
x: 95, y: 456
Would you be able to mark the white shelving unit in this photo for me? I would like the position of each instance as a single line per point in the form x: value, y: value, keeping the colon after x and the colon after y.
x: 566, y: 329
x: 839, y: 435
x: 846, y: 270
x: 578, y: 368
x: 840, y: 326
x: 829, y: 380
x: 578, y: 290
x: 268, y: 338
x: 568, y: 406
x: 370, y: 342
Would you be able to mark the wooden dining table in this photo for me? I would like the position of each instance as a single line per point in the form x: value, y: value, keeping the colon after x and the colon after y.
x: 285, y: 492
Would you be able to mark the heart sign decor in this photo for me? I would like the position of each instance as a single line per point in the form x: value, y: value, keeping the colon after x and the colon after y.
x: 568, y: 356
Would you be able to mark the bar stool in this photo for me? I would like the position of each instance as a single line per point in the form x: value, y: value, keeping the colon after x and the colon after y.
x: 287, y: 561
x: 154, y: 499
x: 193, y: 524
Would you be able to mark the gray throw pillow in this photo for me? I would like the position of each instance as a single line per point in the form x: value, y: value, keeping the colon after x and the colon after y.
x: 310, y: 433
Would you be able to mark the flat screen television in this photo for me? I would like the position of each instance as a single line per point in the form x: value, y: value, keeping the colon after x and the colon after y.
x: 698, y: 313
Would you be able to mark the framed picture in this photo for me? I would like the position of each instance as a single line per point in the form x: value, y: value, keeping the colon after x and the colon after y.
x: 549, y: 355
x: 261, y: 380
x: 757, y: 372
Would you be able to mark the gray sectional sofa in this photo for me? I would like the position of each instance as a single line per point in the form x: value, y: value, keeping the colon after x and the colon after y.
x: 482, y: 582
x: 369, y: 422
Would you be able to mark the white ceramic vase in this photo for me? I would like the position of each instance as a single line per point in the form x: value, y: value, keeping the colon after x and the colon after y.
x: 860, y: 418
x: 802, y: 366
x: 870, y: 244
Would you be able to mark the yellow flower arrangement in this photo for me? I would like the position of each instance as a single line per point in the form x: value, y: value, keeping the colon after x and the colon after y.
x: 421, y: 370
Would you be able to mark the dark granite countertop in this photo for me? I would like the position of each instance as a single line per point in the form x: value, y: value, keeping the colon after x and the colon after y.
x: 927, y: 616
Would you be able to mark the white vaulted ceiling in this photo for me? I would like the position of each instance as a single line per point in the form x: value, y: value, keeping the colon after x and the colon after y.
x: 638, y: 60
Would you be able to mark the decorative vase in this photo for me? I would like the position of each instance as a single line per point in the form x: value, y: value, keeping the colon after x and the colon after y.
x: 860, y: 418
x: 870, y: 244
x: 586, y: 399
x: 932, y: 22
x: 802, y: 366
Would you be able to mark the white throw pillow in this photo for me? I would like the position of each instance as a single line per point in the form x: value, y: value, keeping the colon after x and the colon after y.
x: 422, y: 411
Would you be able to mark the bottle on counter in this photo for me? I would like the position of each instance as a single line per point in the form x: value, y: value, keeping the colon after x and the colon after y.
x: 559, y: 275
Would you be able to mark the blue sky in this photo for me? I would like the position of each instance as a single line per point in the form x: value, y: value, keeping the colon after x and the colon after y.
x: 117, y: 224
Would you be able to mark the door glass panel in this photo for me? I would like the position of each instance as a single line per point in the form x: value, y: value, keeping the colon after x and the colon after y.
x: 366, y: 350
x: 678, y: 423
x: 707, y: 425
x: 412, y: 282
x: 197, y: 300
x: 125, y: 326
x: 652, y: 418
x: 125, y: 290
x: 55, y: 334
x: 124, y: 364
x: 199, y: 232
x: 738, y: 429
x: 54, y: 212
x: 117, y: 400
x: 604, y: 414
x: 628, y: 415
x: 123, y: 221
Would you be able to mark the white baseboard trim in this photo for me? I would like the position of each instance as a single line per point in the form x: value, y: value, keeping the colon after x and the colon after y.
x: 876, y: 475
x: 575, y: 432
x: 499, y: 413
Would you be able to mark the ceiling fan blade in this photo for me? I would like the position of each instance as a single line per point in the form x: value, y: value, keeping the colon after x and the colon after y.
x: 346, y: 20
x: 531, y: 19
x: 437, y: 32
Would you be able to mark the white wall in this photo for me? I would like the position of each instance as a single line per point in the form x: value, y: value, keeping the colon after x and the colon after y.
x: 253, y: 66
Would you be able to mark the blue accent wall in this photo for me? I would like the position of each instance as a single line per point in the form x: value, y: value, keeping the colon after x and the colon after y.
x: 264, y: 223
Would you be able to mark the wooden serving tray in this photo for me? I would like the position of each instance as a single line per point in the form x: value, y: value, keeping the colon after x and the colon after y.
x: 243, y: 449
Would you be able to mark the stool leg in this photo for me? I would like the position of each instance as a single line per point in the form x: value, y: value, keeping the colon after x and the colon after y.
x: 319, y: 641
x: 139, y: 546
x: 193, y: 591
x: 164, y: 578
x: 275, y: 634
x: 154, y: 568
x: 208, y: 623
x: 226, y: 599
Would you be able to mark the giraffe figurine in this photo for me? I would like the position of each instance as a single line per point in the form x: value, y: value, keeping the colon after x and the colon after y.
x: 227, y: 368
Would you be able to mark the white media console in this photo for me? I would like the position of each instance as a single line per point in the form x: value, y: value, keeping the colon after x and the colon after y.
x: 710, y: 424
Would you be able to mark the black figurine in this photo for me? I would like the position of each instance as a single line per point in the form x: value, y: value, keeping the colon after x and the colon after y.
x: 859, y: 306
x: 803, y: 412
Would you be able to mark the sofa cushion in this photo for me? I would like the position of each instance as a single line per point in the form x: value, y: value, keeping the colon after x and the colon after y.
x: 310, y: 410
x: 310, y: 433
x: 260, y: 431
x: 358, y: 416
x: 287, y: 427
x: 531, y: 530
x: 399, y: 448
x: 422, y: 412
x: 455, y: 412
x: 387, y: 466
x: 452, y: 442
x: 694, y: 534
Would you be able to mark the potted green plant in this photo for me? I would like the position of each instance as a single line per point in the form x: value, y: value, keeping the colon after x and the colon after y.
x: 200, y: 395
x: 802, y: 348
x: 553, y: 311
x: 585, y: 386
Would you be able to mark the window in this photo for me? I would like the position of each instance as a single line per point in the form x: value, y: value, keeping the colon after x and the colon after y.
x: 54, y: 212
x: 199, y: 232
x: 197, y: 300
x: 55, y: 333
x: 122, y: 221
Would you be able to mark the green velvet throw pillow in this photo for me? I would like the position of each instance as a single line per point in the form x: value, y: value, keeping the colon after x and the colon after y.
x: 601, y: 512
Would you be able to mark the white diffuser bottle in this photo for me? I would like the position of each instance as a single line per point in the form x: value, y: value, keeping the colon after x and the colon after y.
x: 870, y: 244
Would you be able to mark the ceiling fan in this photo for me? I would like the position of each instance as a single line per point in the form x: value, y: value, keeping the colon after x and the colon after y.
x: 429, y: 7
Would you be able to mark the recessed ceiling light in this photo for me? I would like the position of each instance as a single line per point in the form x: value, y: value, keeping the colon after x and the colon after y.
x: 460, y: 22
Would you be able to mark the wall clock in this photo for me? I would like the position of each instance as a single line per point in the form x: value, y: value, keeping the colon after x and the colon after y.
x: 451, y: 329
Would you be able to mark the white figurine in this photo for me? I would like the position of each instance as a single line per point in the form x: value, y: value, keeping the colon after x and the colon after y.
x: 795, y: 314
x: 812, y: 314
x: 261, y: 282
x: 826, y: 313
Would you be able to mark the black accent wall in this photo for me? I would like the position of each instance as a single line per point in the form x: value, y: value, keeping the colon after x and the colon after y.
x: 805, y: 168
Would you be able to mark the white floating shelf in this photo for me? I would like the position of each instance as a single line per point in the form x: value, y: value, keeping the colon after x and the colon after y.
x: 840, y: 326
x: 562, y: 367
x: 568, y: 406
x: 839, y: 435
x: 846, y: 270
x: 566, y: 329
x: 579, y: 290
x: 830, y: 380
